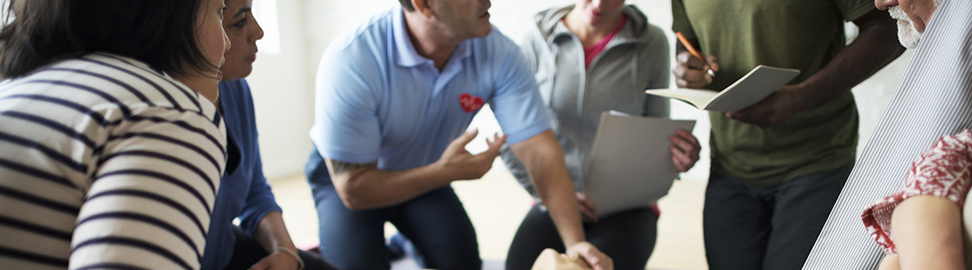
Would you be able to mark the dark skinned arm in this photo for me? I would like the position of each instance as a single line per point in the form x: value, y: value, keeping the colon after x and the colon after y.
x: 875, y: 47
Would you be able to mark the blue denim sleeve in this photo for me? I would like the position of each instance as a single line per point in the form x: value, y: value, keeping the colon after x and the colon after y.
x: 259, y: 200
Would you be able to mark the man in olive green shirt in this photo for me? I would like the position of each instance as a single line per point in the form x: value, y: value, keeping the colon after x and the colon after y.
x: 778, y: 166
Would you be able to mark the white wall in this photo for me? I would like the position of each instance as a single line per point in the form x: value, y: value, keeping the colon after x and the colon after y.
x: 283, y: 84
x: 283, y: 95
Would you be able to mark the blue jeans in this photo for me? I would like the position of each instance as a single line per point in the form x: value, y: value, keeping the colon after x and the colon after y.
x: 435, y: 222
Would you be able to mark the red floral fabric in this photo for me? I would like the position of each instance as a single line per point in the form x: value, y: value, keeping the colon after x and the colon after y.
x: 944, y: 170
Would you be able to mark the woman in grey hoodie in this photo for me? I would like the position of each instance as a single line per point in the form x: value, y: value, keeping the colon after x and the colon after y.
x: 589, y: 58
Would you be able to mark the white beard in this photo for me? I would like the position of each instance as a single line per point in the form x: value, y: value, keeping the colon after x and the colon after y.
x: 908, y: 35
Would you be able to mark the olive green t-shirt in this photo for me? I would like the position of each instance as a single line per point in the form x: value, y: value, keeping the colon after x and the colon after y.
x: 799, y: 34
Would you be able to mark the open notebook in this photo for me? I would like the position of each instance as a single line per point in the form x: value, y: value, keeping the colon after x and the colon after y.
x: 752, y: 88
x: 631, y: 165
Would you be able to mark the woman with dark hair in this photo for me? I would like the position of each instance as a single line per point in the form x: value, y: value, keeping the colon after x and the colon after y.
x: 261, y: 240
x: 111, y: 148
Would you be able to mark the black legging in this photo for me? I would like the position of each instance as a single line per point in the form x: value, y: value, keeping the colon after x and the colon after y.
x: 627, y: 237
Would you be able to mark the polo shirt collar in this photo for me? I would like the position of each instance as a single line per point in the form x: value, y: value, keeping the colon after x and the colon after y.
x: 406, y: 54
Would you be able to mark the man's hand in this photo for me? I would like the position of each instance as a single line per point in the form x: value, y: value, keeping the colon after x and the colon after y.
x: 460, y: 164
x: 277, y: 260
x: 365, y: 186
x: 588, y: 211
x: 774, y: 109
x: 685, y: 149
x: 591, y: 255
x: 876, y: 46
x: 691, y: 71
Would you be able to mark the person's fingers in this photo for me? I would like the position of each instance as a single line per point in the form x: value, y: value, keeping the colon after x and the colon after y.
x: 461, y: 142
x: 588, y: 215
x: 687, y: 135
x: 680, y: 82
x: 588, y: 211
x: 689, y: 60
x: 591, y: 258
x: 496, y: 145
x: 690, y: 78
x: 597, y: 260
x: 678, y: 164
x: 681, y: 159
x: 582, y: 198
x: 679, y: 154
x: 713, y: 62
x: 689, y: 74
x: 485, y: 159
x: 607, y: 262
x: 466, y: 137
x: 681, y: 143
x: 591, y: 255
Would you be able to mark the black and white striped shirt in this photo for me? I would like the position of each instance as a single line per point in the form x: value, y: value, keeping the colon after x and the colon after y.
x: 106, y: 163
x: 934, y: 99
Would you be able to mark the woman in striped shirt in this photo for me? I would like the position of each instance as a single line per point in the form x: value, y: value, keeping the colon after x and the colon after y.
x: 111, y: 149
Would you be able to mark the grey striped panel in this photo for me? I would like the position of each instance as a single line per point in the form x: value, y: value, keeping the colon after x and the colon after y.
x: 934, y: 99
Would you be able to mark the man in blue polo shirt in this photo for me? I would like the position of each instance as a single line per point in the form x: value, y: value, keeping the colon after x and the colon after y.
x: 394, y: 98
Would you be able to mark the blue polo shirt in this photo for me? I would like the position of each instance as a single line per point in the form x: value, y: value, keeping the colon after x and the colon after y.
x: 244, y: 192
x: 378, y: 100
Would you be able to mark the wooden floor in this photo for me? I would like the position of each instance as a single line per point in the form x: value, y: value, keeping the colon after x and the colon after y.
x: 496, y: 204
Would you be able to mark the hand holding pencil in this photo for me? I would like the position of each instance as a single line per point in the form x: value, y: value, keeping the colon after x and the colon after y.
x: 693, y: 70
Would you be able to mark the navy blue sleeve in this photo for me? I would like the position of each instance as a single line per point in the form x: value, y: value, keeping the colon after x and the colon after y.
x: 259, y: 198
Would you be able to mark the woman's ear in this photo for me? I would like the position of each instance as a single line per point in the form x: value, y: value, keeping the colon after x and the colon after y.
x: 424, y: 7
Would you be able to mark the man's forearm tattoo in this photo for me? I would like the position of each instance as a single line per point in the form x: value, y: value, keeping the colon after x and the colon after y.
x: 344, y: 167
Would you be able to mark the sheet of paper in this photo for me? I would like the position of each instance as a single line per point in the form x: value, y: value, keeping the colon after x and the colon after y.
x: 630, y: 164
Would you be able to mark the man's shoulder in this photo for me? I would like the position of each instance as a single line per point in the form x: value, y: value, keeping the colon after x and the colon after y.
x: 363, y: 49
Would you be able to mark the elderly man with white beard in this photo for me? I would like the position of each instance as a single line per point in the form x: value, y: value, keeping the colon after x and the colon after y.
x: 909, y: 30
x: 934, y: 99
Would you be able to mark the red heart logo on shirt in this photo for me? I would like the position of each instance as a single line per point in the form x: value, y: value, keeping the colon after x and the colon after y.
x: 470, y: 103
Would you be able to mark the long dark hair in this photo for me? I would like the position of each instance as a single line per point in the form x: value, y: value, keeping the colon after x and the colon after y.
x: 161, y: 33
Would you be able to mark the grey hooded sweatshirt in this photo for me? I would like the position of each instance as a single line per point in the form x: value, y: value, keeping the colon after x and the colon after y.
x: 635, y: 59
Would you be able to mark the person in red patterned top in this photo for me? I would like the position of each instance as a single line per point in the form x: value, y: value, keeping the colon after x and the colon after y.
x: 928, y: 214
